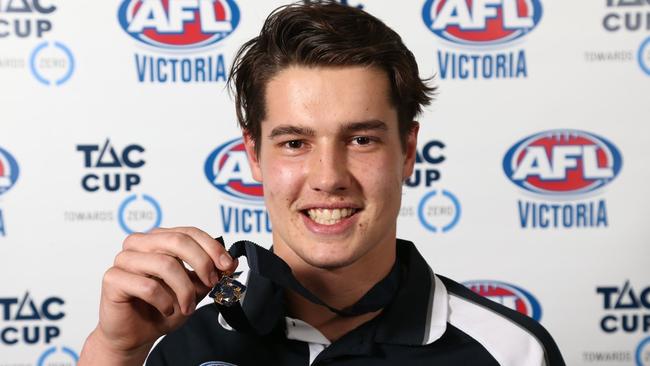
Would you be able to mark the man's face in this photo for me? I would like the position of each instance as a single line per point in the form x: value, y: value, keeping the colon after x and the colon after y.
x: 331, y: 164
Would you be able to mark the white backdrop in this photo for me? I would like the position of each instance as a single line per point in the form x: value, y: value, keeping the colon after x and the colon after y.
x: 78, y: 103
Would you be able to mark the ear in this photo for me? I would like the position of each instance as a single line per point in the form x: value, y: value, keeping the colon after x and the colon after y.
x: 411, y: 149
x: 253, y: 158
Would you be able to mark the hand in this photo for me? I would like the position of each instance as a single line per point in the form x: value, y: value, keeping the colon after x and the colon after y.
x: 149, y: 292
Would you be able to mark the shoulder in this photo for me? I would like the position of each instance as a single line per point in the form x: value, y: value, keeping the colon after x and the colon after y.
x: 511, y: 337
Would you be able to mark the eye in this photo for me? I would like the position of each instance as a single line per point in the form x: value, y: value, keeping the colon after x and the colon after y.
x: 361, y: 140
x: 294, y: 144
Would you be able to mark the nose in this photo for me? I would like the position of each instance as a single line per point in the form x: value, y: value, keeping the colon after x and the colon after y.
x: 328, y: 169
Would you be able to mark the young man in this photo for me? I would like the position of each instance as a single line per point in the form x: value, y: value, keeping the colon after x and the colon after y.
x: 326, y: 97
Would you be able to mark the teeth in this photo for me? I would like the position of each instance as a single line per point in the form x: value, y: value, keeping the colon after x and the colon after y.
x: 326, y: 216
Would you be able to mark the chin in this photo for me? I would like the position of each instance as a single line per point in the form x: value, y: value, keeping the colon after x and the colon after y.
x: 328, y: 264
x: 327, y: 259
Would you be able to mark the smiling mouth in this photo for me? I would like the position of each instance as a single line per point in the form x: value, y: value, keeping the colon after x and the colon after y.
x: 329, y: 216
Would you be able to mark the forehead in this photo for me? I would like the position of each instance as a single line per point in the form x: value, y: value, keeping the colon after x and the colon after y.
x: 324, y: 97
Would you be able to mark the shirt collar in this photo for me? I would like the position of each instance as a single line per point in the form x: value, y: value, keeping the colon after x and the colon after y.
x: 418, y: 314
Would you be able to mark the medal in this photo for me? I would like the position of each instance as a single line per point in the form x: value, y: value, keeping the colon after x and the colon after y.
x: 227, y: 291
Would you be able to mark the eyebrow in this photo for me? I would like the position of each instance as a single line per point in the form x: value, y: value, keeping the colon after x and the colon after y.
x: 310, y: 132
x: 292, y: 130
x: 370, y: 125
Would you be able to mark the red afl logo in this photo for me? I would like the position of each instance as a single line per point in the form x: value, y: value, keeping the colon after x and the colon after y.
x: 179, y: 24
x: 9, y: 171
x: 228, y: 170
x: 508, y: 295
x: 562, y: 162
x: 481, y: 22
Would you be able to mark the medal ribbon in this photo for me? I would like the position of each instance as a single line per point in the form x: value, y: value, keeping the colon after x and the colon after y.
x: 268, y: 265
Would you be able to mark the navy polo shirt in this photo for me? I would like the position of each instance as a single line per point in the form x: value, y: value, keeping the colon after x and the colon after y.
x: 431, y: 321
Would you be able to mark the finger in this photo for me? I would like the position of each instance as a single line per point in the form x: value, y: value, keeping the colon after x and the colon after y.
x: 215, y: 250
x: 178, y: 245
x: 201, y: 290
x: 166, y: 268
x: 121, y: 286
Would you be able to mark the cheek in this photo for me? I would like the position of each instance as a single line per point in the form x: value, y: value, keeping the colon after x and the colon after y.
x: 282, y: 180
x: 381, y: 179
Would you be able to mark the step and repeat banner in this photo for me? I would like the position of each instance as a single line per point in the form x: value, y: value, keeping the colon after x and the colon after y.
x: 531, y: 181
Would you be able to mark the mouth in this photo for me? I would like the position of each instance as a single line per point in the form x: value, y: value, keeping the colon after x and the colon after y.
x: 329, y: 216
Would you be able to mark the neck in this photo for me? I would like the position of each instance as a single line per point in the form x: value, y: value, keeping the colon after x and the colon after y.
x: 331, y: 325
x: 338, y: 287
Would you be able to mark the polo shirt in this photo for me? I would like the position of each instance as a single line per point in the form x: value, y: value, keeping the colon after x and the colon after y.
x: 432, y: 320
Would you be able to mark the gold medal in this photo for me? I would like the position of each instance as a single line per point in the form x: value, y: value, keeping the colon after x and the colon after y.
x: 227, y: 291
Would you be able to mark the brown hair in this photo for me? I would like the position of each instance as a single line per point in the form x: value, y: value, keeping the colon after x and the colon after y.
x: 324, y: 34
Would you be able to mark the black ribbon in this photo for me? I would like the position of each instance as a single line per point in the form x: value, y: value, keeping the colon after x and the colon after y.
x: 266, y: 264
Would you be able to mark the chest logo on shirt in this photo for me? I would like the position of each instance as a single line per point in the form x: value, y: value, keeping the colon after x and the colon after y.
x: 217, y: 363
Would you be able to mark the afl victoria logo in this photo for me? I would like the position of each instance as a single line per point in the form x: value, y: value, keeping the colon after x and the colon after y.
x: 481, y: 22
x: 508, y: 295
x: 179, y: 24
x: 228, y: 170
x: 8, y: 171
x: 562, y: 162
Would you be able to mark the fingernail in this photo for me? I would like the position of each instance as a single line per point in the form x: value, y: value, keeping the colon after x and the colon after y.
x: 225, y: 260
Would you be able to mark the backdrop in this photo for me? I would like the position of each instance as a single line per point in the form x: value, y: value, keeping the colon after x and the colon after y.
x: 530, y: 185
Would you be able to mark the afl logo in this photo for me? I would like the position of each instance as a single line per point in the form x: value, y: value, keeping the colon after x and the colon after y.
x: 179, y: 24
x: 562, y: 162
x: 227, y: 169
x: 508, y: 295
x: 481, y: 22
x: 8, y: 171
